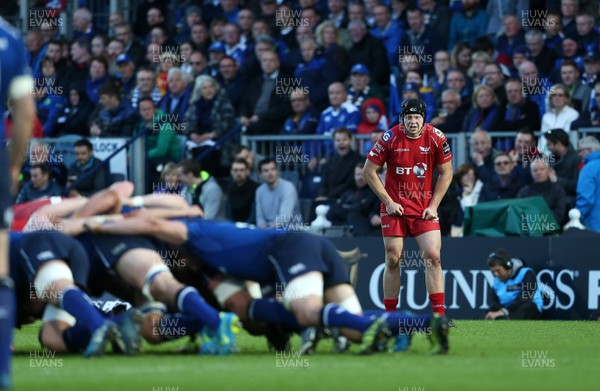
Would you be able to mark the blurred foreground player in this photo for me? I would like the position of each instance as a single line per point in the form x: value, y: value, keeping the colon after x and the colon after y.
x: 15, y: 84
x: 409, y: 203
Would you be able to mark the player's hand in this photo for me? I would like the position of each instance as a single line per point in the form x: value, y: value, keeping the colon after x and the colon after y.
x: 430, y: 214
x: 394, y: 209
x: 195, y: 210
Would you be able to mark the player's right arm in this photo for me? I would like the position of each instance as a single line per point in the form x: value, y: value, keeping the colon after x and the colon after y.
x: 374, y: 182
x: 173, y: 232
x: 23, y: 117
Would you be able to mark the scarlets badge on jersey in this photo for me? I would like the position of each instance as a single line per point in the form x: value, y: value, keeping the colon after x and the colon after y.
x: 439, y: 133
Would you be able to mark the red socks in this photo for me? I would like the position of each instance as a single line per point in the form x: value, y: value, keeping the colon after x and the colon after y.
x: 390, y: 304
x: 437, y: 303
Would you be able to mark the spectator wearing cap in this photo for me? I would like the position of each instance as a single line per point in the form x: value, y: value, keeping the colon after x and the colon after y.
x: 560, y: 113
x: 579, y: 93
x: 361, y: 87
x: 98, y: 74
x: 113, y: 117
x: 591, y: 66
x: 564, y: 161
x: 373, y: 117
x: 519, y: 111
x: 512, y: 35
x: 592, y: 117
x: 541, y: 56
x: 570, y: 52
x: 588, y: 189
x: 216, y: 52
x: 315, y: 73
x: 369, y: 51
x: 420, y: 39
x: 520, y: 55
x: 542, y: 186
x: 265, y: 106
x: 132, y: 47
x: 587, y: 36
x: 388, y: 31
x: 127, y: 68
x: 305, y: 118
x: 176, y: 101
x: 467, y: 24
x: 449, y: 118
x: 553, y: 34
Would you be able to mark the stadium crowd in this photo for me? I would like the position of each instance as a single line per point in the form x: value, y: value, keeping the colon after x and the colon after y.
x: 191, y: 73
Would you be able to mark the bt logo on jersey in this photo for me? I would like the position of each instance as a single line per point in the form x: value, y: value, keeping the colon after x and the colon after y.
x: 419, y: 170
x: 403, y: 170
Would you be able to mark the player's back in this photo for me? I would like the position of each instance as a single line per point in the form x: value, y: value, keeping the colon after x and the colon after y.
x: 239, y: 252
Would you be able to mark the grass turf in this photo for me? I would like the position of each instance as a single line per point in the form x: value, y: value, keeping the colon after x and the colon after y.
x: 484, y: 355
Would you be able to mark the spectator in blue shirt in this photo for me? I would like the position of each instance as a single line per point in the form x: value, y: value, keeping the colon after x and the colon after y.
x: 388, y: 31
x: 468, y: 24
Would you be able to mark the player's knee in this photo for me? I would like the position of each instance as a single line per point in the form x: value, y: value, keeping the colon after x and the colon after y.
x: 164, y: 288
x: 392, y: 260
x: 433, y: 258
x: 51, y: 338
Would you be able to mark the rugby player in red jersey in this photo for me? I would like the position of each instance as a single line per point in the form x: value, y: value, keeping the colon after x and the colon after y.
x: 409, y: 202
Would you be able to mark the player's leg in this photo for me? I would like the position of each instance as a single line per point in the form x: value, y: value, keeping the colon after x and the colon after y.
x: 139, y: 268
x: 430, y: 244
x: 391, y: 274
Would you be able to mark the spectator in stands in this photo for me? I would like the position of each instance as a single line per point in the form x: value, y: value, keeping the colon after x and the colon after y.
x: 460, y: 56
x: 305, y: 118
x: 48, y: 97
x: 315, y: 73
x: 485, y: 110
x: 541, y: 56
x: 449, y: 119
x: 115, y: 49
x: 369, y: 51
x: 478, y: 62
x: 437, y: 77
x: 468, y: 185
x: 570, y: 52
x: 591, y: 117
x: 127, y: 72
x: 198, y: 64
x: 82, y: 23
x: 512, y: 35
x: 373, y: 117
x: 97, y: 76
x: 457, y: 81
x: 241, y: 192
x: 53, y: 52
x: 73, y: 117
x: 504, y: 184
x: 210, y: 117
x: 421, y: 38
x: 536, y: 88
x: 591, y: 65
x: 185, y: 51
x: 588, y: 190
x: 468, y: 24
x: 145, y: 87
x: 356, y: 11
x: 388, y: 31
x: 201, y: 189
x: 245, y: 20
x: 569, y: 10
x: 361, y: 88
x: 553, y: 30
x: 193, y: 15
x: 162, y: 145
x: 564, y: 161
x: 494, y: 78
x: 277, y: 200
x: 200, y: 37
x: 358, y: 207
x: 132, y: 48
x: 38, y: 129
x: 482, y: 155
x: 578, y: 92
x: 560, y: 114
x: 524, y: 153
x: 177, y: 99
x: 233, y: 45
x: 35, y: 54
x: 515, y: 293
x: 519, y: 112
x: 232, y: 81
x: 587, y: 36
x: 338, y: 172
x: 79, y: 171
x: 437, y: 16
x: 337, y: 13
x: 113, y: 117
x: 328, y: 38
x: 264, y: 107
x: 40, y: 185
x: 553, y: 194
x: 169, y: 181
x: 99, y: 46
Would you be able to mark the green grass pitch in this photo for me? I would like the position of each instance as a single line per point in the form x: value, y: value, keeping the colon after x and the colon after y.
x: 484, y: 355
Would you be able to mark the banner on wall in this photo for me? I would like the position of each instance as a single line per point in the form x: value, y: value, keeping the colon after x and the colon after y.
x: 568, y: 266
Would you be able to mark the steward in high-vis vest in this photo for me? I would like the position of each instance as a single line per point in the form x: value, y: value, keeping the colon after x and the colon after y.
x: 515, y: 293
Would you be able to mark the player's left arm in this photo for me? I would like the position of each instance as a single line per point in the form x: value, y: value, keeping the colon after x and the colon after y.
x: 23, y: 118
x: 442, y: 185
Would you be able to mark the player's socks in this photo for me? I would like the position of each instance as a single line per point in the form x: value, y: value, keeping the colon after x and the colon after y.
x: 333, y: 315
x: 77, y: 338
x: 390, y: 304
x: 7, y: 323
x: 437, y: 303
x: 269, y: 310
x: 189, y: 302
x: 407, y: 324
x: 174, y: 326
x: 78, y: 304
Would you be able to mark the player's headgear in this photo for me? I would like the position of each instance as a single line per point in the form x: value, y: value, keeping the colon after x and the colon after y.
x: 502, y: 256
x: 413, y: 106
